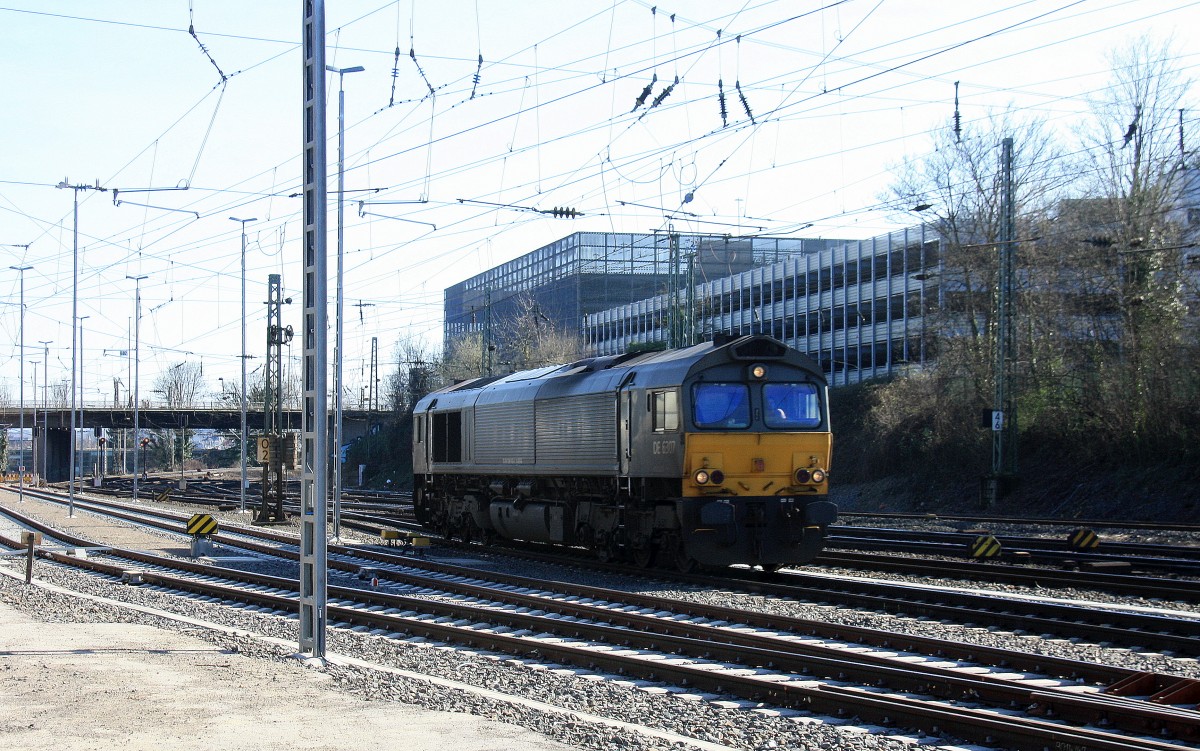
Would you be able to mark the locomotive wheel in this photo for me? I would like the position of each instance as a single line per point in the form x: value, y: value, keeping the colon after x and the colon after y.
x: 684, y: 563
x: 602, y: 546
x: 644, y: 557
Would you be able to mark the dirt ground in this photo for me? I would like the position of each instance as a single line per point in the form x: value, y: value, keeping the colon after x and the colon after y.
x: 139, y: 688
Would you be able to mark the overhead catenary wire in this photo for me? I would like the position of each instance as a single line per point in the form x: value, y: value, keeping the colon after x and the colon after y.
x: 541, y: 141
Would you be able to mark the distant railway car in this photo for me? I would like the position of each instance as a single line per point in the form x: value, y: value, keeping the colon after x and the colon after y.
x: 712, y: 455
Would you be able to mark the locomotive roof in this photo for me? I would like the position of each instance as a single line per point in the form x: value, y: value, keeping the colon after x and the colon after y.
x: 605, y: 374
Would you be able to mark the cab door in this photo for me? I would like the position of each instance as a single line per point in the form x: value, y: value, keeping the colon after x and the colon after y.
x: 625, y: 424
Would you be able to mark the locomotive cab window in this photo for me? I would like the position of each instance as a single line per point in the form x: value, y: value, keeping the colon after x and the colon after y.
x: 666, y: 410
x: 792, y: 406
x: 721, y: 405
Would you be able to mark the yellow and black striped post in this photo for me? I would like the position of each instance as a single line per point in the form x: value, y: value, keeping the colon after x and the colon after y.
x: 1083, y: 539
x: 201, y: 525
x: 985, y: 546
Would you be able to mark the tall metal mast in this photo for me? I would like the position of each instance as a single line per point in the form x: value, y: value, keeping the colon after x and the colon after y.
x: 314, y: 477
x: 277, y: 454
x: 1004, y: 413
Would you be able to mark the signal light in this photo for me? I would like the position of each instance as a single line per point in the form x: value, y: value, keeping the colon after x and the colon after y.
x: 102, y: 441
x: 145, y: 442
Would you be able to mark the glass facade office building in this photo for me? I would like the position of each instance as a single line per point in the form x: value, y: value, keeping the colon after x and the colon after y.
x: 589, y: 272
x: 857, y: 307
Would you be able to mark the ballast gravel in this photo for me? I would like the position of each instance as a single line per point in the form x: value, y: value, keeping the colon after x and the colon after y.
x: 699, y: 718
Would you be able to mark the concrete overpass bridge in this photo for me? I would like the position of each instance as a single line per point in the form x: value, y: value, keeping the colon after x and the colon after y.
x: 52, y: 446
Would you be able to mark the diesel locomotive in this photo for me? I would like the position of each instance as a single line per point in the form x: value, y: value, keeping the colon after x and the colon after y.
x: 711, y: 455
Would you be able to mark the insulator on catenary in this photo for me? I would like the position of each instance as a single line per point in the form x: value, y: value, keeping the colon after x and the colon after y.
x: 957, y: 116
x: 721, y: 99
x: 395, y: 75
x: 745, y: 105
x: 645, y: 93
x: 475, y: 80
x: 665, y: 93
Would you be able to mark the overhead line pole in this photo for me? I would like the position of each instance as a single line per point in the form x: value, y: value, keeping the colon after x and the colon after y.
x: 21, y: 467
x: 341, y: 317
x: 245, y: 435
x: 74, y: 324
x: 1004, y: 413
x: 314, y: 478
x: 137, y: 361
x: 45, y: 406
x: 81, y: 399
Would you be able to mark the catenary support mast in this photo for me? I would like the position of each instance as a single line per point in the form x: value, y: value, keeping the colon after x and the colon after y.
x: 314, y: 477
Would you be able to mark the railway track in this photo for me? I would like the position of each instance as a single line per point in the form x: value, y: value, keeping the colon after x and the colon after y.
x: 776, y: 661
x: 366, y: 509
x: 976, y: 520
x: 1130, y: 627
x: 1177, y: 559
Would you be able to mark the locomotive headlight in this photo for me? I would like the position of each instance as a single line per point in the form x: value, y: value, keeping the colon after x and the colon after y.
x: 758, y: 372
x: 810, y: 476
x: 702, y: 477
x: 717, y: 476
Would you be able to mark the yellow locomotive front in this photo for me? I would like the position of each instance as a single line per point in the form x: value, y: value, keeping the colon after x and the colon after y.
x: 755, y: 468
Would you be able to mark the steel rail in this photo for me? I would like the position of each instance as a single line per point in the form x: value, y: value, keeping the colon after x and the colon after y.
x: 1119, y: 627
x: 970, y: 723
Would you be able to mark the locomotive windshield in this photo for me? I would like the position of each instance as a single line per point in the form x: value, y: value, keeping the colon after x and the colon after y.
x: 793, y: 406
x: 785, y: 406
x: 721, y: 405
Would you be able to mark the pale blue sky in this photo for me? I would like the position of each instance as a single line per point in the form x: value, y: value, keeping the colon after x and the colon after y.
x: 120, y: 92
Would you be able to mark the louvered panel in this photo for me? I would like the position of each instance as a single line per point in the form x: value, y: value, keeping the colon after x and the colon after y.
x: 504, y: 433
x: 579, y: 431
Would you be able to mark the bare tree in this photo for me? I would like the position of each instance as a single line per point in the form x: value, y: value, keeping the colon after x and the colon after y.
x: 60, y: 393
x: 959, y: 186
x: 532, y: 340
x: 1127, y: 241
x: 464, y: 358
x: 179, y: 386
x: 415, y: 375
x: 524, y: 339
x: 1106, y: 344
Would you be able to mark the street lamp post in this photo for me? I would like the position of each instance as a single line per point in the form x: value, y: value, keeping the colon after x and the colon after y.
x: 79, y: 445
x: 245, y: 437
x: 45, y: 404
x: 337, y: 371
x: 137, y: 326
x: 74, y: 322
x: 21, y: 467
x: 33, y: 440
